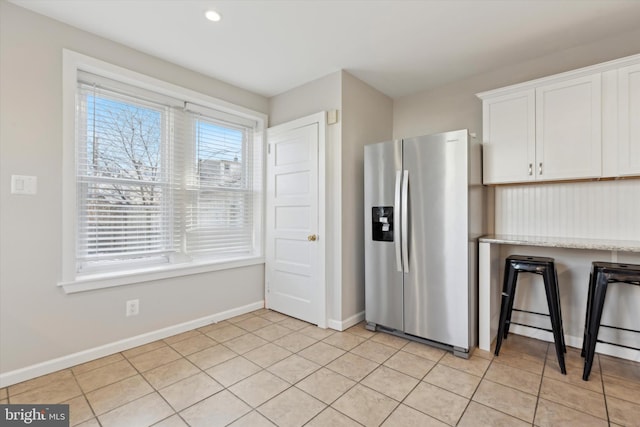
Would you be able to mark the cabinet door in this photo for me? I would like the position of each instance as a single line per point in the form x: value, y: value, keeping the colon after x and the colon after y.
x: 508, y: 147
x: 568, y: 129
x: 629, y: 120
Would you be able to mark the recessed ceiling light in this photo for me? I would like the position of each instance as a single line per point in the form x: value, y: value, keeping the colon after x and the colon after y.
x: 212, y: 15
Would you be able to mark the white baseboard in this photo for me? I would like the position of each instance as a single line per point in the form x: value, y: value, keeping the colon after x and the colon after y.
x: 576, y: 342
x: 43, y: 368
x: 537, y: 334
x: 341, y: 325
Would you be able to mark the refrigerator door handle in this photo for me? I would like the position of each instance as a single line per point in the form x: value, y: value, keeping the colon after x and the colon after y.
x: 397, y: 208
x: 405, y: 221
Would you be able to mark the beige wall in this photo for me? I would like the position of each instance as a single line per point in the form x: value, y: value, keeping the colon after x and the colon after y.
x: 455, y: 106
x: 366, y: 118
x: 318, y: 95
x: 322, y: 94
x: 38, y: 321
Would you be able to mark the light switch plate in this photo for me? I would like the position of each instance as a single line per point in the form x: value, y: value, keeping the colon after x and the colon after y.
x: 24, y: 184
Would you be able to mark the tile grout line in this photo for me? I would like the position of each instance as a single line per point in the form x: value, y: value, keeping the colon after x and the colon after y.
x: 544, y: 367
x: 178, y: 413
x: 471, y: 398
x: 350, y: 351
x: 476, y: 390
x: 604, y: 392
x: 325, y: 366
x: 294, y: 385
x: 493, y: 359
x: 73, y: 374
x: 277, y: 394
x: 583, y: 389
x: 262, y: 369
x: 413, y: 389
x: 376, y: 368
x: 150, y: 385
x: 154, y: 389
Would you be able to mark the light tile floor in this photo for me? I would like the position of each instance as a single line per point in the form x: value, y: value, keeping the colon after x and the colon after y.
x: 265, y: 369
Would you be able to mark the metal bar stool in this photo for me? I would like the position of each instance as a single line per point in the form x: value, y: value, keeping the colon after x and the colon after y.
x: 603, y: 273
x: 514, y: 265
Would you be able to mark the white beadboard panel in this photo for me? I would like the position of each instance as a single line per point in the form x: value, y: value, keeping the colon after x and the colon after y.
x: 594, y: 209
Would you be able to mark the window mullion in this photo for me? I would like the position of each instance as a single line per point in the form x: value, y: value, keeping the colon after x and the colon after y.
x: 181, y: 146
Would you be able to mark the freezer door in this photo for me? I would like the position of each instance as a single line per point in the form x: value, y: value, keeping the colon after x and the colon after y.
x: 436, y: 284
x: 383, y: 273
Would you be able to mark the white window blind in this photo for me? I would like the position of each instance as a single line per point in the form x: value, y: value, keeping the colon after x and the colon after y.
x: 162, y: 181
x: 219, y: 217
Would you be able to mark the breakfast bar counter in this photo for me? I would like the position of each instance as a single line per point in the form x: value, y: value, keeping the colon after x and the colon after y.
x: 563, y: 242
x: 573, y: 259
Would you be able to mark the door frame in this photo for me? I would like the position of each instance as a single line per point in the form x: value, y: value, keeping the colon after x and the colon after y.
x: 321, y: 119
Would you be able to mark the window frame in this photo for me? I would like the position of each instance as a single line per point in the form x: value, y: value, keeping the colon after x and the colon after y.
x: 73, y: 281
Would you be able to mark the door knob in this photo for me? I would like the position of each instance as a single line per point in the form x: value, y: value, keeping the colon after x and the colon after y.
x: 312, y: 238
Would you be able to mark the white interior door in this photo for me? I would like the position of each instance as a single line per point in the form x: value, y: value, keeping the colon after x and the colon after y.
x: 294, y: 247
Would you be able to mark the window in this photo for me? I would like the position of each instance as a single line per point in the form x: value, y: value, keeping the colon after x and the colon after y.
x: 123, y: 181
x: 161, y: 182
x: 217, y: 220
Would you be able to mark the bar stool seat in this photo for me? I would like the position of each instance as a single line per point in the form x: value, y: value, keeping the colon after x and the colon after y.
x: 544, y: 266
x: 602, y: 273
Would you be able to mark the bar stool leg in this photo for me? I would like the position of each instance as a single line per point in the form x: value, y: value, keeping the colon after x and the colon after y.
x: 512, y: 297
x: 592, y: 286
x: 556, y: 324
x: 510, y: 277
x: 557, y: 289
x: 594, y: 321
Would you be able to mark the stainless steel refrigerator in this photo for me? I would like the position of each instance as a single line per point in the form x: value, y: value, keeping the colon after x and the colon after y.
x: 424, y: 206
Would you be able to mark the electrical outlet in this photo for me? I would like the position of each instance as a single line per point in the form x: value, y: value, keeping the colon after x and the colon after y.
x: 133, y: 307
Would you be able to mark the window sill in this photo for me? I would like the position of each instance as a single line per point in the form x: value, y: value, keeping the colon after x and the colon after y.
x: 109, y: 280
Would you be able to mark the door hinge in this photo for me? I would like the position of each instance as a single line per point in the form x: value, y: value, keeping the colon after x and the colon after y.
x: 268, y: 148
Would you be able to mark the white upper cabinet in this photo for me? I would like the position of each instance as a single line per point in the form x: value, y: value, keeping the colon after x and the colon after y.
x: 629, y: 120
x: 568, y: 129
x: 582, y: 124
x: 548, y: 133
x: 509, y: 138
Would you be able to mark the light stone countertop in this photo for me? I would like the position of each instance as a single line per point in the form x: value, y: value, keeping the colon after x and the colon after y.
x: 563, y: 242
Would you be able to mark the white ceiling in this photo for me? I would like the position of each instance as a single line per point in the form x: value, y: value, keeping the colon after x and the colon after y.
x: 397, y: 46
